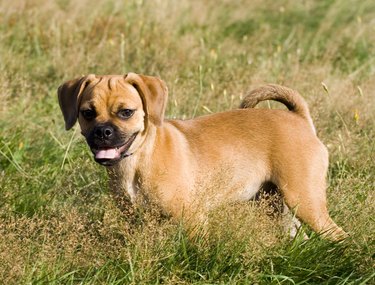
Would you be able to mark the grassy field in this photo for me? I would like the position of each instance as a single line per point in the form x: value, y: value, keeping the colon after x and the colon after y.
x: 58, y: 223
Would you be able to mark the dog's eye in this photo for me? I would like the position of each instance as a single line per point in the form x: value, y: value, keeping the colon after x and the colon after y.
x: 125, y: 113
x: 88, y: 114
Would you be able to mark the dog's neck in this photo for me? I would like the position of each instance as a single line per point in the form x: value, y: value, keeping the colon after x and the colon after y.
x: 130, y: 173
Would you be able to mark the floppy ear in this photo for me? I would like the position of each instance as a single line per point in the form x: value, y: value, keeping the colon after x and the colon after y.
x: 154, y: 95
x: 68, y: 94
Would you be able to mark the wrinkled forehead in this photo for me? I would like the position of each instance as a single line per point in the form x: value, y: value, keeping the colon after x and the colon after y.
x: 107, y: 90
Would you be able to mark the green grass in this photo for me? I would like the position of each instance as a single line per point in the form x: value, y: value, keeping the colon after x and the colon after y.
x: 58, y: 223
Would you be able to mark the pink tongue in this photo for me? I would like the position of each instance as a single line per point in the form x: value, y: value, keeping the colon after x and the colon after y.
x: 107, y: 154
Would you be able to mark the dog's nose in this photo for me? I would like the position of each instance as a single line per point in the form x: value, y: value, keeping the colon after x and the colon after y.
x: 105, y: 132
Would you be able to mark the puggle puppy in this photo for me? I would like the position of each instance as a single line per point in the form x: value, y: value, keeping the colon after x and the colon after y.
x: 189, y: 167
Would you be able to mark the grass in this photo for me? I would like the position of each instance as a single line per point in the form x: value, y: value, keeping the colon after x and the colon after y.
x: 58, y: 223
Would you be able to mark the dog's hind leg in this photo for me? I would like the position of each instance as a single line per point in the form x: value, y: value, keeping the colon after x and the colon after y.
x: 307, y: 201
x: 291, y: 224
x: 305, y: 195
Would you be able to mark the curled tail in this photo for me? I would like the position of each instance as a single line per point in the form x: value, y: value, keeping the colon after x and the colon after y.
x: 289, y: 97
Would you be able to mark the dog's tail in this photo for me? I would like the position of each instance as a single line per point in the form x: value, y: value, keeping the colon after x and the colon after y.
x: 289, y: 97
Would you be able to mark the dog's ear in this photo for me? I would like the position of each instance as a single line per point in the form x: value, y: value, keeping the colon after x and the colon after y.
x: 69, y: 94
x: 154, y: 95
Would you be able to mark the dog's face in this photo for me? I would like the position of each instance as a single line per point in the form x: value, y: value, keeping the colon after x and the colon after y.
x: 114, y: 112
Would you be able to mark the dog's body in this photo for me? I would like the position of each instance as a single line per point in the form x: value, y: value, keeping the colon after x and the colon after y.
x: 189, y: 167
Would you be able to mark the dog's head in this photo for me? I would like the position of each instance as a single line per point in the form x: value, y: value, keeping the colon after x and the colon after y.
x: 114, y: 112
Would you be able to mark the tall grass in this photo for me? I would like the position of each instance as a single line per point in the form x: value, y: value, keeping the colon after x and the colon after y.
x: 58, y: 223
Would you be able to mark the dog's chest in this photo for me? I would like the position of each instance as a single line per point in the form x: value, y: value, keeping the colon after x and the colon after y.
x: 123, y: 180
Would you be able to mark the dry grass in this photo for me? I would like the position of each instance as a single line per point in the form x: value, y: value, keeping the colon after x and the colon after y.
x: 58, y: 223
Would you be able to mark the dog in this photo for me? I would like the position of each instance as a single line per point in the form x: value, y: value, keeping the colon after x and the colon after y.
x: 189, y: 167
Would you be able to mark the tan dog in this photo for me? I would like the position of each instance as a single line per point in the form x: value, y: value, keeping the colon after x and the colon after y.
x: 189, y: 167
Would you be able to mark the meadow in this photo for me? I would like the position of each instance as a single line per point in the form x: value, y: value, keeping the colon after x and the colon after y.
x: 58, y: 221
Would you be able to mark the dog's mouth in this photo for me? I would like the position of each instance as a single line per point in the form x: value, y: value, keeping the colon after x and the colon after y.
x: 109, y: 156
